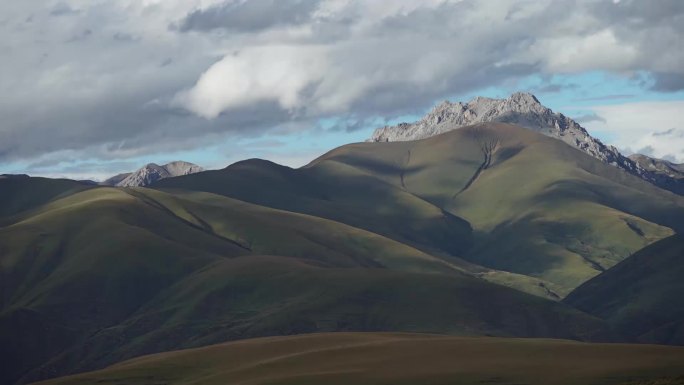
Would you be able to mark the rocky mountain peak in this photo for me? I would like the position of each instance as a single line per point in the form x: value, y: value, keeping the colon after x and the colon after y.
x: 520, y: 108
x: 153, y: 172
x: 524, y: 98
x: 180, y: 167
x: 523, y: 109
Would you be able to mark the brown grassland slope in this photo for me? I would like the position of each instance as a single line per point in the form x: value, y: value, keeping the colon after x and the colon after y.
x: 382, y: 358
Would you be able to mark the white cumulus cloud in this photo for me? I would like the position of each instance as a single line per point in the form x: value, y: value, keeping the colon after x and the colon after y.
x: 655, y: 128
x: 280, y: 74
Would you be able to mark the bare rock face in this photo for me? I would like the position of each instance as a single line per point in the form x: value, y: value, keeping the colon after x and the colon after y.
x: 152, y: 172
x: 662, y: 166
x: 522, y: 109
x: 669, y: 175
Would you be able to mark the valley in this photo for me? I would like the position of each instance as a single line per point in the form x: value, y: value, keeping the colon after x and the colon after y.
x: 491, y: 230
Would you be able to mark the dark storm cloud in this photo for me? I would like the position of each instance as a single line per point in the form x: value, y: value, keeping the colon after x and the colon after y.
x: 665, y: 133
x: 125, y: 129
x: 63, y: 9
x: 656, y: 29
x: 640, y: 14
x: 81, y: 35
x: 248, y: 16
x: 671, y: 133
x: 606, y: 97
x: 351, y: 124
x: 669, y: 82
x: 590, y: 117
x: 124, y: 37
x: 400, y: 98
x: 112, y: 92
x: 553, y: 88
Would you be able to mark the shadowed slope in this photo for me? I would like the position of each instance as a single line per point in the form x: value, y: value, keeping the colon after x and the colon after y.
x: 20, y: 193
x: 372, y: 358
x: 108, y: 274
x: 336, y: 192
x: 642, y: 295
x: 356, y: 197
x: 538, y: 206
x: 83, y: 263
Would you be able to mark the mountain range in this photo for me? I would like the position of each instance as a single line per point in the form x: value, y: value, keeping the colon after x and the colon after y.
x: 664, y: 173
x: 151, y: 173
x: 525, y: 110
x: 479, y: 235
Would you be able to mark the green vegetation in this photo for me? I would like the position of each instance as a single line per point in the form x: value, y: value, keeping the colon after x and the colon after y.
x: 373, y: 358
x: 20, y: 193
x: 539, y: 208
x: 642, y: 295
x: 480, y: 231
x: 107, y: 274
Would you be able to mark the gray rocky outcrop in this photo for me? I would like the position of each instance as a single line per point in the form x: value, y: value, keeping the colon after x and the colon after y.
x: 522, y: 109
x: 151, y: 173
x: 667, y: 174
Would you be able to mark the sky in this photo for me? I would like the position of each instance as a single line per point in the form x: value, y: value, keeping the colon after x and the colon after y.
x: 91, y: 88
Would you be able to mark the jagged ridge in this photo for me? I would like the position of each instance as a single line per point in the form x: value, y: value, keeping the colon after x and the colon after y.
x: 669, y: 175
x: 525, y: 110
x: 152, y: 172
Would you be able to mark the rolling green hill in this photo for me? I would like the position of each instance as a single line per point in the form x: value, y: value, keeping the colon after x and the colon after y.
x: 20, y: 193
x: 357, y: 199
x: 107, y: 274
x: 375, y: 358
x: 642, y: 295
x: 342, y: 194
x: 536, y: 206
x: 446, y: 235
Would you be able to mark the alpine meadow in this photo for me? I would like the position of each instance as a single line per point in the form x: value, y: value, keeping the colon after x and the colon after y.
x: 440, y: 192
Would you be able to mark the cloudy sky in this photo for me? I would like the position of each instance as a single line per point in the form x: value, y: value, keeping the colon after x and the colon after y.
x: 90, y: 88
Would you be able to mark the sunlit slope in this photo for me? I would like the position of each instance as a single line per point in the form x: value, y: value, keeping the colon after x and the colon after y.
x: 341, y: 193
x: 108, y: 274
x: 642, y: 295
x: 374, y: 358
x: 538, y: 206
x: 358, y: 198
x: 264, y: 230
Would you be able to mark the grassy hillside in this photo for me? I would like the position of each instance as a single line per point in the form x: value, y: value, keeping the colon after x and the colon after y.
x: 107, y: 274
x: 536, y: 206
x: 370, y: 237
x: 264, y: 230
x: 372, y: 358
x: 642, y: 295
x: 20, y: 193
x: 356, y: 198
x: 342, y: 194
x: 83, y: 263
x: 539, y: 207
